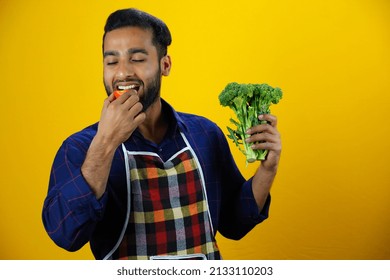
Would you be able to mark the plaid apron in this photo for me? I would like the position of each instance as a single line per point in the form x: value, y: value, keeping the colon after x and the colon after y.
x: 169, y: 217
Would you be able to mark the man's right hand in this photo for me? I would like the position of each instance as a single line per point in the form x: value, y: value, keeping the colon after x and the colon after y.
x: 119, y: 118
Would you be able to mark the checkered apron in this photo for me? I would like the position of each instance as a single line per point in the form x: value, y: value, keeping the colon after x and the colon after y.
x: 169, y: 217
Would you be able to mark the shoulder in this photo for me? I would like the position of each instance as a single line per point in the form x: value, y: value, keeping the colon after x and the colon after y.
x: 191, y: 123
x: 201, y: 129
x: 74, y: 148
x: 196, y: 122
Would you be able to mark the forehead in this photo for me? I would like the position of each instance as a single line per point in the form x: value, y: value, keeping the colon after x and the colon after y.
x: 127, y: 37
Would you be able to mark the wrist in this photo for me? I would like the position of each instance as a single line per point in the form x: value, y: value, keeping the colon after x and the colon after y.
x: 104, y: 143
x: 268, y: 169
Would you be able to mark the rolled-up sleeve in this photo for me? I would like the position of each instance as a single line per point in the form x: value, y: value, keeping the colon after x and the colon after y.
x: 250, y: 212
x: 70, y: 210
x: 239, y: 211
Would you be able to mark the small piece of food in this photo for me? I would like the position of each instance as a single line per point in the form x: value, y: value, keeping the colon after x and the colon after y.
x: 248, y: 101
x: 118, y: 93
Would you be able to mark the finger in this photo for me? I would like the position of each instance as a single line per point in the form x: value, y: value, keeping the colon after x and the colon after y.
x: 265, y: 141
x: 267, y: 146
x: 271, y: 119
x: 140, y: 118
x: 132, y: 101
x: 111, y: 97
x: 265, y: 127
x: 126, y: 95
x: 263, y: 137
x: 106, y: 103
x: 135, y: 110
x: 132, y: 91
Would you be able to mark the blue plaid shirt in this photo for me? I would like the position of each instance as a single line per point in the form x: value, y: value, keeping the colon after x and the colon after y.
x: 72, y: 215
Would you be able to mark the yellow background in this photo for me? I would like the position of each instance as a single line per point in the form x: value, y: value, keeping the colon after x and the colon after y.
x: 331, y: 58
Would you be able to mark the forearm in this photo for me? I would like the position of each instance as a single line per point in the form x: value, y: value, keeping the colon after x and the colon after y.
x: 97, y: 164
x: 261, y: 185
x: 120, y: 117
x: 241, y: 213
x: 265, y: 137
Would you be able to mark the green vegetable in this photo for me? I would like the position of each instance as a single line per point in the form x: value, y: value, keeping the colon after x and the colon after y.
x: 248, y: 101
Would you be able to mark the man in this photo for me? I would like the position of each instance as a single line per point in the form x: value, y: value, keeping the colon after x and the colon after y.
x: 147, y: 182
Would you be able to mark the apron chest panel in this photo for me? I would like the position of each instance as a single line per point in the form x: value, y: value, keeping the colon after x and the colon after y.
x: 169, y: 215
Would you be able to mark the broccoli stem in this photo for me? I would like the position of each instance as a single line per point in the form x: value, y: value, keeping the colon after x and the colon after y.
x: 250, y: 154
x: 261, y: 154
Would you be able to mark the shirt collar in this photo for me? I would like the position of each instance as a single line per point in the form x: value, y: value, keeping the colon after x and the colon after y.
x: 175, y: 121
x: 174, y: 117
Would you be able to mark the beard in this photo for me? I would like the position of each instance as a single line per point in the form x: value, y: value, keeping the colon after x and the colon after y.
x: 151, y: 91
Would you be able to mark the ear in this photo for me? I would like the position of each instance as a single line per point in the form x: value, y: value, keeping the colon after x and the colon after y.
x: 166, y: 65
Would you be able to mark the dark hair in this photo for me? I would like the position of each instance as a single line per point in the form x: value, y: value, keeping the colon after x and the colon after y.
x: 136, y: 18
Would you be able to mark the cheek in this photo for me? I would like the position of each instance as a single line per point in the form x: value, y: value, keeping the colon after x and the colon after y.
x: 149, y: 70
x: 151, y: 73
x: 107, y: 87
x: 107, y: 78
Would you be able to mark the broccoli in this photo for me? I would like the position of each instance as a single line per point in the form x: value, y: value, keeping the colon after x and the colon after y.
x: 248, y: 101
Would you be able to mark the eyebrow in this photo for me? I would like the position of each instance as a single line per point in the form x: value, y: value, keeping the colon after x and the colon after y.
x: 137, y: 50
x: 129, y: 51
x: 110, y: 53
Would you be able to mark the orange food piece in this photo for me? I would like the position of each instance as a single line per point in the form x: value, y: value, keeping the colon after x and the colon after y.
x: 118, y: 93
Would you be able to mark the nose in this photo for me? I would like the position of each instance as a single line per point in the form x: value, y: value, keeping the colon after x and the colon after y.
x: 124, y: 70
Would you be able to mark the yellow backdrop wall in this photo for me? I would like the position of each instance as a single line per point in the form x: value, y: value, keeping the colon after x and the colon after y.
x: 331, y: 58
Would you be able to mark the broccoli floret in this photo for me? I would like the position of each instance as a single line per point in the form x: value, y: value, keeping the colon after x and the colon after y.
x: 248, y: 101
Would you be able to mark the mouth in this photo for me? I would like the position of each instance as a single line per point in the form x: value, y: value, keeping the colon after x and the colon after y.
x: 127, y: 87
